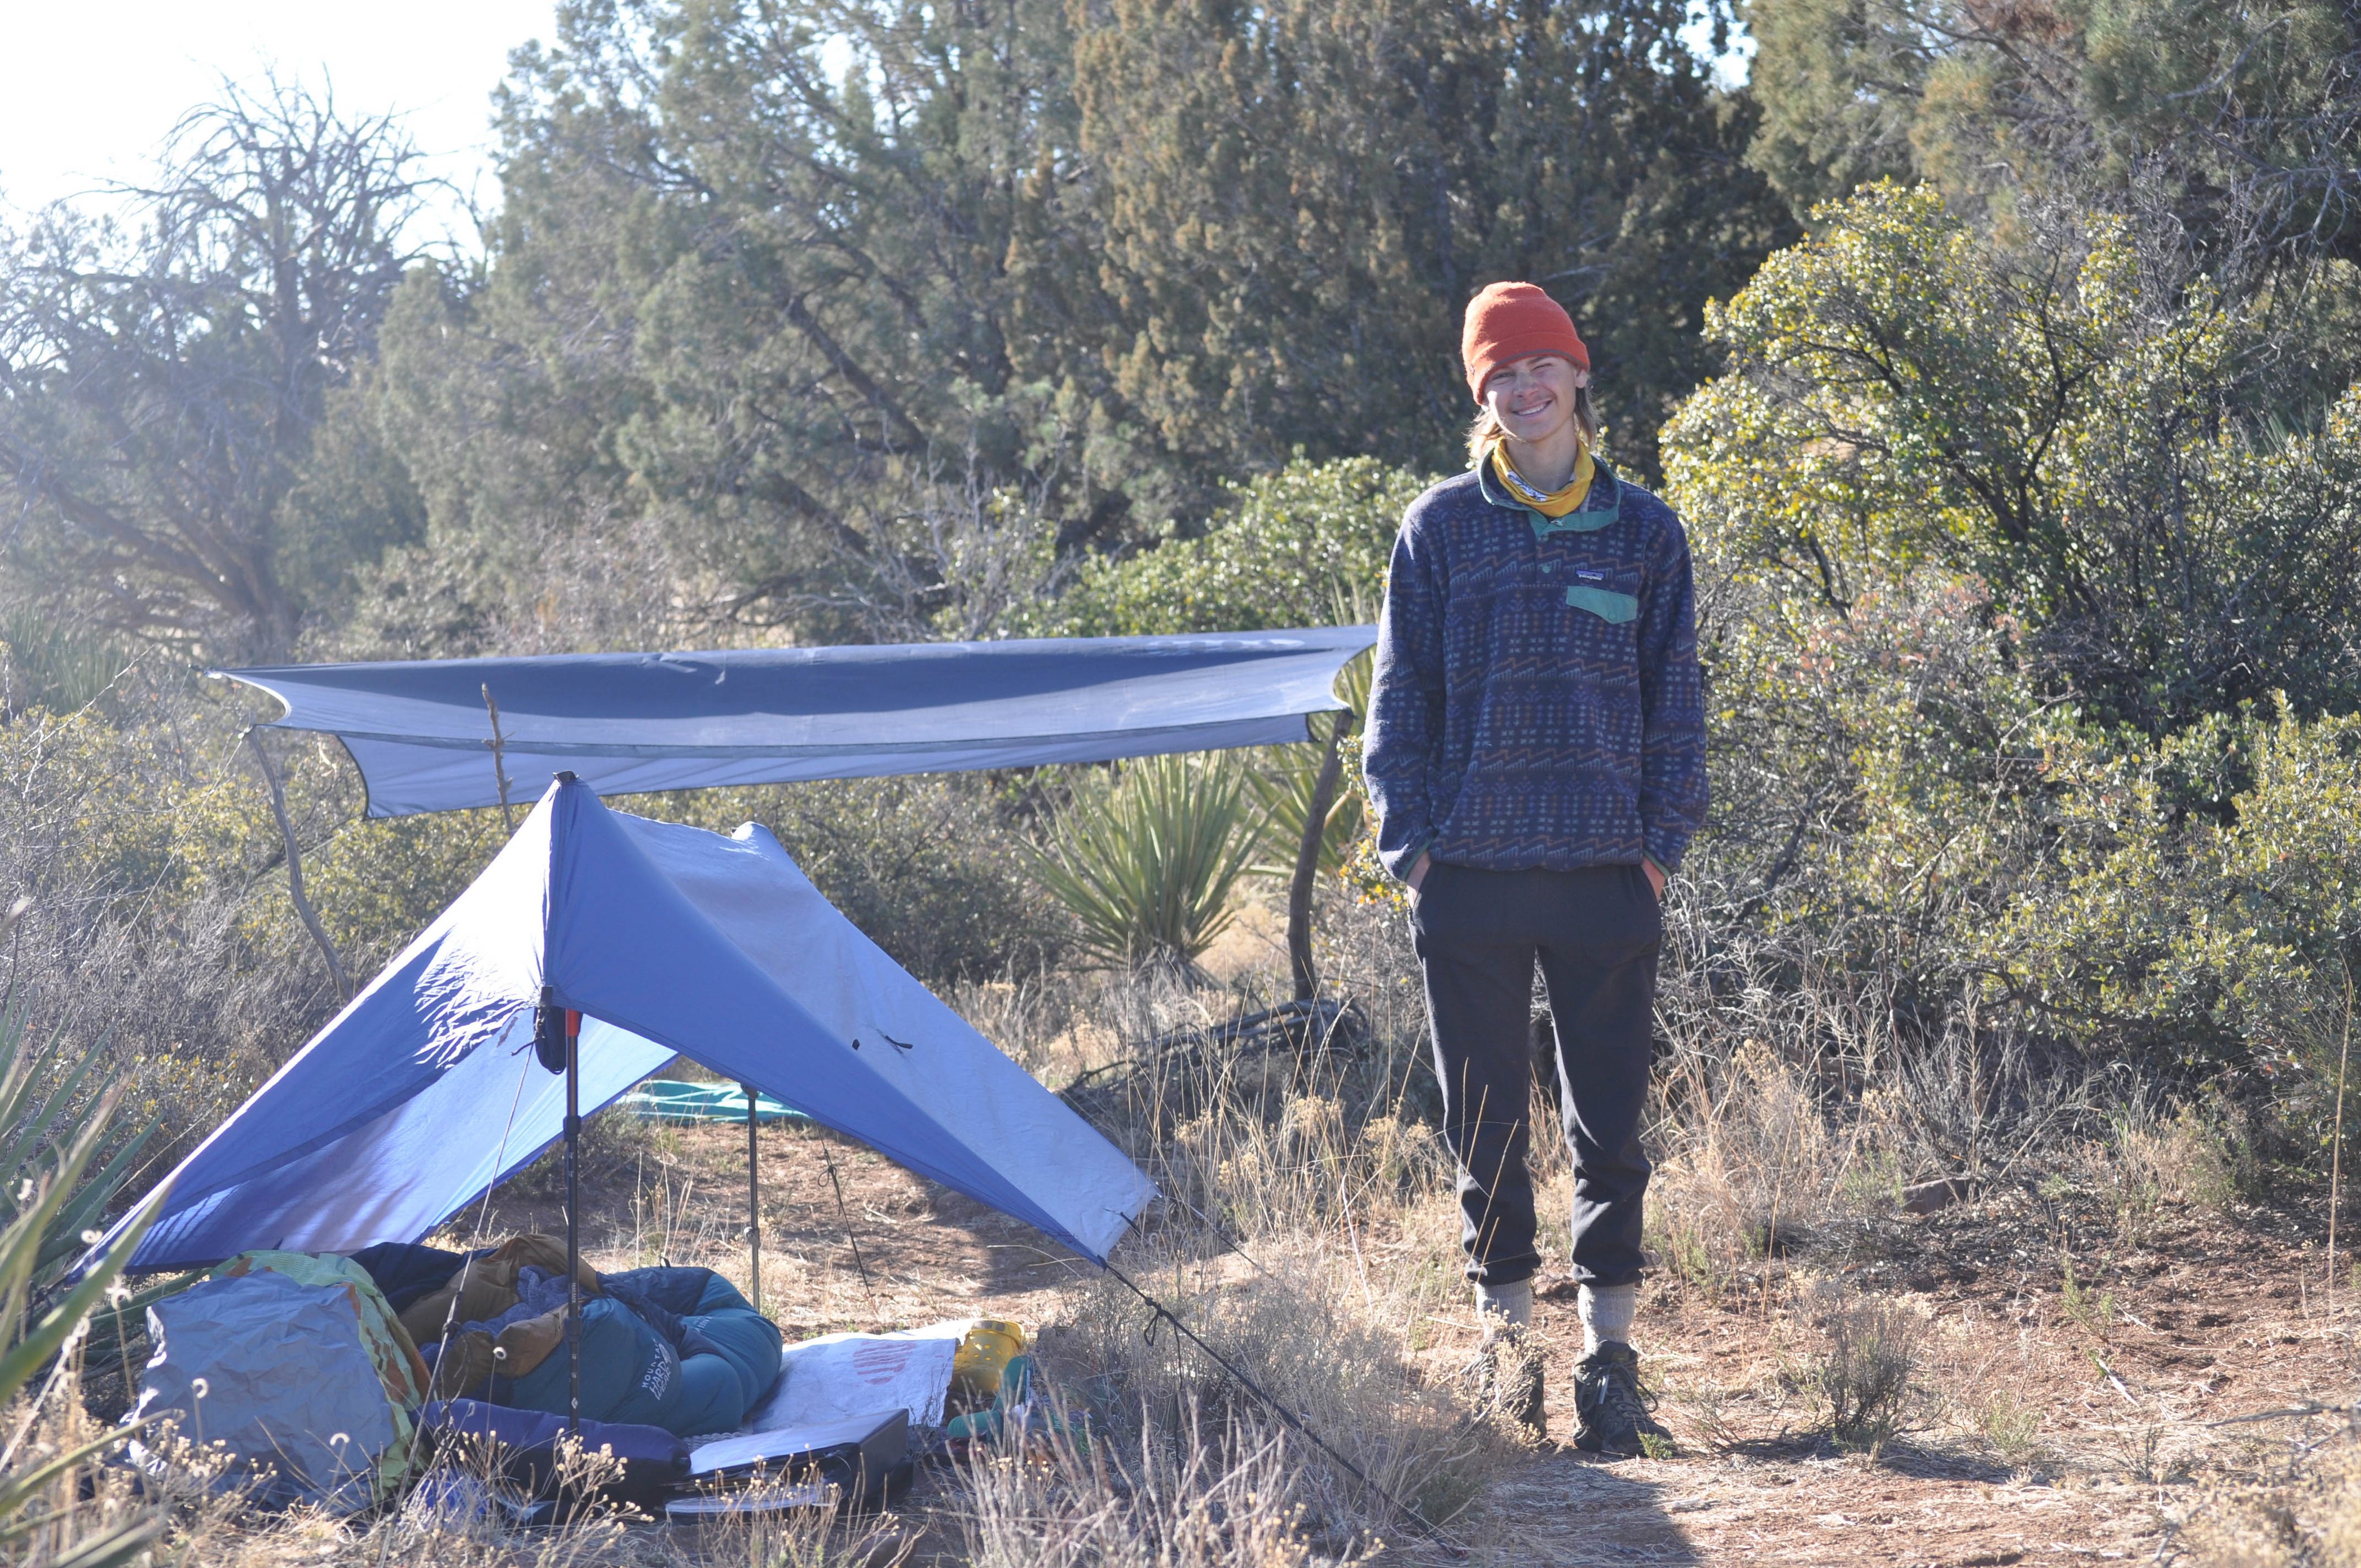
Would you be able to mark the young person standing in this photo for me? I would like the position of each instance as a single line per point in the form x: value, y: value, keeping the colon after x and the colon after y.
x: 1536, y: 756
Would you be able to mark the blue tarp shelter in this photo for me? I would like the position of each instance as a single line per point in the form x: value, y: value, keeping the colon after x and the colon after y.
x: 623, y: 723
x: 425, y: 1091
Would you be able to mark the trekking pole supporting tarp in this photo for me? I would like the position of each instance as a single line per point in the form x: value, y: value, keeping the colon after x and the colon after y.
x: 573, y: 1223
x: 754, y: 1194
x: 557, y: 1046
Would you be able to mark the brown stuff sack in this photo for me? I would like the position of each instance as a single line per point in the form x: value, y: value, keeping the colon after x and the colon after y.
x: 478, y: 1295
x: 462, y: 1364
x: 546, y: 1253
x: 485, y: 1286
x: 522, y: 1346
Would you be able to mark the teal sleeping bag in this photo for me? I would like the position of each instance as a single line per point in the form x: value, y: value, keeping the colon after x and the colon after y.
x: 722, y: 1356
x: 736, y: 1363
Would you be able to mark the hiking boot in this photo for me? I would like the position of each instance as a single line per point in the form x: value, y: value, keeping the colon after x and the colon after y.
x: 1610, y: 1408
x: 1506, y: 1379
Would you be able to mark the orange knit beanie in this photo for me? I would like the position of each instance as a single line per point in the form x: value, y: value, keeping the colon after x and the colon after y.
x: 1509, y: 321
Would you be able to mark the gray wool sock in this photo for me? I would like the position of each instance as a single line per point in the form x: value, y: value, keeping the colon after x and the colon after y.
x: 1509, y: 1305
x: 1607, y: 1314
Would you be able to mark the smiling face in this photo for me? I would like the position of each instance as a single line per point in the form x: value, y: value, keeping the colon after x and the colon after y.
x: 1532, y: 397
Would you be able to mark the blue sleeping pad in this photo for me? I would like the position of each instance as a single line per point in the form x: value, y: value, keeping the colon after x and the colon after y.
x: 525, y: 1443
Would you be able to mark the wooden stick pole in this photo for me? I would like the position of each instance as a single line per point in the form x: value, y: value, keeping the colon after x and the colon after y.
x: 303, y: 909
x: 2336, y: 1138
x: 499, y: 744
x: 1307, y: 864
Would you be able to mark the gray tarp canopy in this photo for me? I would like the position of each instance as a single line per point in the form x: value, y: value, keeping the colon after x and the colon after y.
x: 625, y: 723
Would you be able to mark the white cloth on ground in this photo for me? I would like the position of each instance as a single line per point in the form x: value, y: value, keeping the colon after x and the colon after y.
x: 837, y: 1376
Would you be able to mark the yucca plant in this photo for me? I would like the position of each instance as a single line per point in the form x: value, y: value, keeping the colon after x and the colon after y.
x: 1281, y: 792
x: 1145, y: 858
x: 32, y: 1123
x: 43, y: 1108
x: 54, y: 667
x: 38, y: 1494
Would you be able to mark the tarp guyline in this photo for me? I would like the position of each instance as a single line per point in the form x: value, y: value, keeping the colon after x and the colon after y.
x: 421, y: 732
x: 425, y: 1091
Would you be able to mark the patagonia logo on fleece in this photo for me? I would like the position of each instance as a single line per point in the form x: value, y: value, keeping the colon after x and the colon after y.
x: 1591, y: 576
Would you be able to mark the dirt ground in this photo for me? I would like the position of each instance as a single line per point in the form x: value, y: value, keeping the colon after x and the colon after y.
x: 2068, y: 1416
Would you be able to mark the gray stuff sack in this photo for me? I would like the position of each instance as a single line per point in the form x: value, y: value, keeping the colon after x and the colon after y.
x: 275, y: 1373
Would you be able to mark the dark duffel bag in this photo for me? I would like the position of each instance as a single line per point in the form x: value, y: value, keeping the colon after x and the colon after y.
x: 524, y: 1446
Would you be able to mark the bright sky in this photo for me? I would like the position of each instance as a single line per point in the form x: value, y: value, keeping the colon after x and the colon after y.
x: 91, y: 90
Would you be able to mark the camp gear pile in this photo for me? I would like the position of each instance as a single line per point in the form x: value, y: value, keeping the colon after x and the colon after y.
x: 435, y: 1083
x: 337, y: 1381
x: 675, y: 1348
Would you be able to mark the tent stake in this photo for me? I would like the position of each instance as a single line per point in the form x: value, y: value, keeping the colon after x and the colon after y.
x: 754, y: 1195
x: 573, y: 1223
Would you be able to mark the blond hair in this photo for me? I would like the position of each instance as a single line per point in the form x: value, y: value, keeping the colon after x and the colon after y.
x: 1487, y: 432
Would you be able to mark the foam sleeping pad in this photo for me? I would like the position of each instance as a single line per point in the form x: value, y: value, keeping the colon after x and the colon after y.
x: 669, y: 1100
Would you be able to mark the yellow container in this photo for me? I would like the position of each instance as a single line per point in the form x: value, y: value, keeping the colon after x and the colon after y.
x: 990, y: 1343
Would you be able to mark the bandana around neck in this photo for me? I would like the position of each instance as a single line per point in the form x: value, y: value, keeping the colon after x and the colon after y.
x: 1549, y: 503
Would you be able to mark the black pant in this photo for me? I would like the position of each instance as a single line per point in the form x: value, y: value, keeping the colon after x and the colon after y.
x: 1596, y: 932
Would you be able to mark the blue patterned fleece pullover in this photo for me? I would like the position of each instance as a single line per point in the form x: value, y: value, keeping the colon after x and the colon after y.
x: 1537, y: 703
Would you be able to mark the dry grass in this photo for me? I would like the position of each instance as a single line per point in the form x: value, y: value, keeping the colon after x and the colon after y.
x: 1228, y: 1496
x: 1864, y: 1372
x: 1310, y: 1237
x: 2152, y: 1160
x: 2306, y: 1516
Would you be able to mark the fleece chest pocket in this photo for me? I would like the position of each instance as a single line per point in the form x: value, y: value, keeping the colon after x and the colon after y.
x: 1613, y: 596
